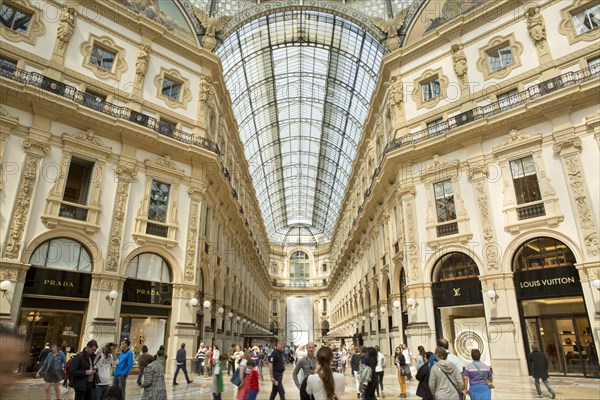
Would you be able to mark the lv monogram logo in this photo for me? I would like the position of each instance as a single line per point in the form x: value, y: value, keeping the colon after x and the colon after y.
x: 457, y: 292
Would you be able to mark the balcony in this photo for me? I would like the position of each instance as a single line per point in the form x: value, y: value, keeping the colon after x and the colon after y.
x: 71, y: 211
x: 61, y: 89
x: 157, y: 230
x: 541, y: 89
x: 531, y: 211
x: 447, y: 229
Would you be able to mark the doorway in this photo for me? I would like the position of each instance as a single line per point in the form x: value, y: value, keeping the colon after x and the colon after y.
x: 566, y: 340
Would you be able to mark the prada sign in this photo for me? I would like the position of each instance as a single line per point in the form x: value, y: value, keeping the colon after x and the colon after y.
x: 137, y: 291
x: 57, y: 282
x: 457, y: 292
x: 547, y: 282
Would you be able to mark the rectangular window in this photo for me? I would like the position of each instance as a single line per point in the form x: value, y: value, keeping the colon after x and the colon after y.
x: 587, y: 19
x: 324, y: 267
x: 594, y: 65
x: 324, y: 305
x: 94, y: 100
x: 78, y: 181
x: 166, y: 127
x: 207, y: 224
x: 500, y: 57
x: 508, y: 99
x: 525, y: 180
x: 15, y: 19
x: 444, y: 201
x: 430, y: 90
x: 102, y: 58
x: 7, y: 67
x: 159, y: 201
x: 274, y: 307
x: 171, y: 88
x: 436, y: 126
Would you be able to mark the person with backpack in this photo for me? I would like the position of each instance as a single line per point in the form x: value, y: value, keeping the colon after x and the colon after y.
x: 83, y: 373
x: 53, y: 365
x: 104, y: 362
x: 422, y: 376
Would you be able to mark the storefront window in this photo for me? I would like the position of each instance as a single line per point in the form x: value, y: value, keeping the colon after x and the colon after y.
x: 149, y: 267
x: 543, y: 252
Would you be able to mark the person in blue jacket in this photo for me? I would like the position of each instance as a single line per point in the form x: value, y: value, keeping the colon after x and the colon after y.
x: 124, y: 365
x: 53, y: 366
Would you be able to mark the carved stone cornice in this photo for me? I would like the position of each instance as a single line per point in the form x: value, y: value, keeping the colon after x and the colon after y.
x: 515, y: 140
x: 126, y: 171
x: 15, y: 272
x: 36, y: 146
x: 107, y: 282
x: 570, y: 142
x: 166, y: 165
x: 88, y: 139
x: 440, y: 167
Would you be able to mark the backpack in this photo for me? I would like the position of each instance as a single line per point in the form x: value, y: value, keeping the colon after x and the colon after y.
x: 68, y: 368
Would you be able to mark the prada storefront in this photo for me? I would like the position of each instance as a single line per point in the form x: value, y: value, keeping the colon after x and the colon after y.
x: 552, y: 309
x: 458, y: 305
x: 55, y: 297
x: 146, y: 306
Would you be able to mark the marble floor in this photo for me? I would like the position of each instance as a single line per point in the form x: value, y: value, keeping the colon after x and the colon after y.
x: 506, y: 388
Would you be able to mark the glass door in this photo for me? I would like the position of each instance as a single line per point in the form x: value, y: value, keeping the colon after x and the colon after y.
x: 569, y: 344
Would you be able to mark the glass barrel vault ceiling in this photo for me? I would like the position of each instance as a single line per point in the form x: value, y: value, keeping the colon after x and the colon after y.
x: 301, y: 83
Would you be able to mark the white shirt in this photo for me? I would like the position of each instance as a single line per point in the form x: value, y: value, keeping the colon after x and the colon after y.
x: 406, y: 354
x: 380, y: 362
x: 213, y: 385
x: 216, y: 354
x: 314, y: 386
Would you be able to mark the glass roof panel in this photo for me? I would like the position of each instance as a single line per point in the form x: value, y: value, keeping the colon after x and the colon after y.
x: 300, y: 82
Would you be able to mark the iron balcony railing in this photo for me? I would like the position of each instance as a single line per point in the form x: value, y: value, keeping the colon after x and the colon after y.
x: 97, y: 103
x: 541, y: 89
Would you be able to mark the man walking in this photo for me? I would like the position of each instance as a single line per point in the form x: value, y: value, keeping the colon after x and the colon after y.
x: 306, y: 364
x: 276, y: 368
x: 124, y: 365
x: 181, y: 360
x: 539, y: 370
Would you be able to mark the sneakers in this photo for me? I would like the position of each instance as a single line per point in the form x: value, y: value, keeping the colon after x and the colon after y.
x: 190, y: 381
x: 175, y: 383
x: 553, y: 395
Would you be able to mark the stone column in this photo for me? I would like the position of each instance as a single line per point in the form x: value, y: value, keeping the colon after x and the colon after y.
x: 183, y: 324
x: 103, y: 313
x: 10, y: 300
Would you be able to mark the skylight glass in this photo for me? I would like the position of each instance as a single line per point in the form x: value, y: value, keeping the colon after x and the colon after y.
x: 301, y: 83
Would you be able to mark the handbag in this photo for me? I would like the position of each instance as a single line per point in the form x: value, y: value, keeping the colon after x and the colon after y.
x: 490, y: 384
x: 235, y: 378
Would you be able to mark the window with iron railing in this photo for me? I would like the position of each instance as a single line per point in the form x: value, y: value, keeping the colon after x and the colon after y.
x: 527, y: 189
x: 76, y: 190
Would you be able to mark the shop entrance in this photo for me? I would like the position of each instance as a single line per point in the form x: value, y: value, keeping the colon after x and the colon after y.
x: 565, y: 339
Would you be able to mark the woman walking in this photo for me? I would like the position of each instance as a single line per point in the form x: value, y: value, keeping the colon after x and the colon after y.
x: 154, y: 382
x: 420, y: 357
x: 325, y: 384
x: 400, y: 362
x: 53, y: 366
x: 477, y: 378
x: 422, y: 376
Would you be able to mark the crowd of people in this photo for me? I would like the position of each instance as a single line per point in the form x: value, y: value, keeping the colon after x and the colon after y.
x: 98, y: 373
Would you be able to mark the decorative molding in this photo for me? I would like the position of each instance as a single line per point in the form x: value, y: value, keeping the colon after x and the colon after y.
x: 36, y: 25
x: 166, y: 165
x: 66, y: 28
x: 395, y: 99
x: 459, y: 62
x: 18, y: 221
x: 440, y: 168
x: 141, y: 67
x: 536, y: 27
x: 491, y: 250
x: 515, y: 140
x: 566, y: 27
x: 192, y: 240
x: 185, y: 95
x: 428, y: 76
x: 119, y: 64
x: 34, y: 144
x: 483, y: 62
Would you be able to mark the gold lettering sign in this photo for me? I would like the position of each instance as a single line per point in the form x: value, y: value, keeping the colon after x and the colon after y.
x: 52, y: 282
x: 150, y: 292
x: 457, y: 292
x: 547, y: 282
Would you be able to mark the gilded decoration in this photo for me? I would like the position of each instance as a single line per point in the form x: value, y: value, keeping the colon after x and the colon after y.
x: 22, y: 207
x: 66, y: 28
x: 36, y: 25
x: 211, y: 27
x: 427, y: 77
x: 105, y: 42
x: 126, y: 173
x: 185, y: 95
x: 483, y: 63
x: 567, y: 26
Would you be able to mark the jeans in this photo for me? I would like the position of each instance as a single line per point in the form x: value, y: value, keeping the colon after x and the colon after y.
x: 380, y: 377
x: 200, y: 366
x: 139, y: 378
x: 85, y: 394
x: 538, y: 389
x: 120, y: 381
x: 277, y: 388
x: 184, y: 369
x: 99, y: 391
x: 252, y: 395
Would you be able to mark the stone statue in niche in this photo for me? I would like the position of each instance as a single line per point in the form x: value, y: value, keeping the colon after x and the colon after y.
x: 66, y: 28
x: 459, y: 60
x: 535, y: 26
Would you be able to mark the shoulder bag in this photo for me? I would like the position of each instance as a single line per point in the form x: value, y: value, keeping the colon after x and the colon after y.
x: 490, y: 384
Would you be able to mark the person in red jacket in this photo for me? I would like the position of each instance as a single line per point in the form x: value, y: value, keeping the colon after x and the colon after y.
x: 253, y: 380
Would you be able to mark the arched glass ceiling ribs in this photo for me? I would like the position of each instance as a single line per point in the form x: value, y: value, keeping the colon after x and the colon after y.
x: 301, y: 83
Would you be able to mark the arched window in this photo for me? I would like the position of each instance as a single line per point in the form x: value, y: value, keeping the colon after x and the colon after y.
x: 403, y: 290
x: 274, y: 328
x: 62, y: 253
x: 542, y: 252
x: 324, y: 328
x: 149, y: 267
x: 299, y: 268
x: 455, y: 265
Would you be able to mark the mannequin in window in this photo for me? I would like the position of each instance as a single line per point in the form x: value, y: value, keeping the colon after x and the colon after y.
x: 139, y: 341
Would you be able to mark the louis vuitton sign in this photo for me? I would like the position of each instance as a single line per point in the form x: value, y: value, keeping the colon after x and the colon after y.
x: 547, y: 282
x: 457, y: 292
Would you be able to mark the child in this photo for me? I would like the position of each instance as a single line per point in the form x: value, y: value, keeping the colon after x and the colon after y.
x: 253, y: 380
x: 216, y: 388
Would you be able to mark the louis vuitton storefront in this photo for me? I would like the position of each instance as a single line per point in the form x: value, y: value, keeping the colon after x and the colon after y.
x: 55, y: 298
x: 552, y: 308
x: 458, y: 305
